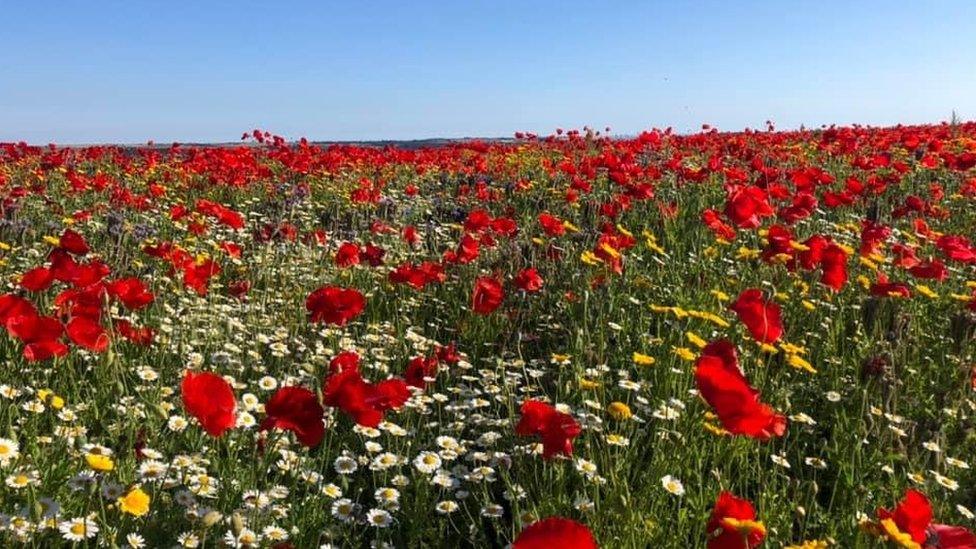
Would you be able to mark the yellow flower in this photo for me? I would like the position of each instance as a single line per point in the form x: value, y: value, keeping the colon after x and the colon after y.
x: 590, y: 258
x: 808, y: 305
x: 611, y: 251
x: 696, y: 340
x: 767, y: 348
x: 800, y: 363
x: 684, y: 353
x: 811, y: 544
x: 651, y: 242
x: 715, y: 319
x: 619, y: 411
x: 136, y: 502
x: 588, y: 384
x: 745, y: 526
x: 869, y: 264
x: 570, y: 227
x: 720, y: 295
x: 744, y: 253
x: 902, y: 539
x: 793, y: 349
x: 847, y: 249
x: 561, y: 359
x: 52, y: 240
x: 100, y: 462
x: 926, y: 291
x: 642, y: 359
x: 715, y: 429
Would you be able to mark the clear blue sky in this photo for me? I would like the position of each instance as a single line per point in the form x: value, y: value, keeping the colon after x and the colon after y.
x: 83, y: 72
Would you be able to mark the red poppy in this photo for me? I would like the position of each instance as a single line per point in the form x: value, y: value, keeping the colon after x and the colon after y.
x: 373, y: 255
x: 410, y: 235
x: 885, y: 288
x: 930, y: 270
x: 762, y: 318
x: 957, y: 248
x: 873, y: 236
x: 335, y: 305
x: 73, y: 242
x: 210, y: 399
x: 197, y: 275
x: 139, y: 336
x: 32, y: 327
x: 488, y: 295
x: 746, y: 205
x: 467, y: 251
x: 364, y: 402
x: 419, y: 369
x: 551, y: 225
x: 556, y: 428
x: 555, y: 532
x: 504, y: 226
x: 88, y: 333
x: 951, y: 537
x: 529, y: 280
x: 132, y: 292
x: 44, y: 350
x: 231, y: 249
x: 733, y: 524
x: 12, y: 305
x: 37, y: 279
x: 717, y: 226
x: 239, y: 288
x: 834, y: 267
x: 448, y: 354
x: 347, y: 255
x: 912, y: 515
x: 722, y: 385
x: 296, y: 409
x: 346, y: 360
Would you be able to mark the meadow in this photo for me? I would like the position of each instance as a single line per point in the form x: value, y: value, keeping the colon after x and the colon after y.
x: 723, y: 340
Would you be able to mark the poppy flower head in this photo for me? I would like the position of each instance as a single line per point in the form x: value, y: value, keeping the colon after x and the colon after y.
x: 73, y: 242
x: 37, y: 279
x: 296, y: 409
x: 210, y: 399
x: 723, y: 386
x: 132, y: 292
x: 487, y: 296
x: 762, y: 318
x: 88, y: 333
x: 555, y: 532
x: 529, y: 280
x: 733, y: 524
x: 557, y: 429
x: 335, y: 305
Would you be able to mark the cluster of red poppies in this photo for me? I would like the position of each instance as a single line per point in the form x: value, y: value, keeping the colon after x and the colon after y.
x: 79, y: 308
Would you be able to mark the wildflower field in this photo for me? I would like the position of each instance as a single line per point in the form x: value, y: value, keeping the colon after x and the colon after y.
x: 722, y: 340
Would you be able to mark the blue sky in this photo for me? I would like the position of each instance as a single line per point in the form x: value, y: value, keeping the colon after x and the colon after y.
x: 83, y: 72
